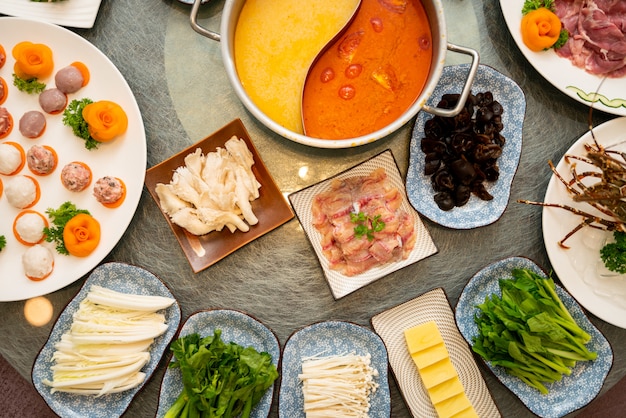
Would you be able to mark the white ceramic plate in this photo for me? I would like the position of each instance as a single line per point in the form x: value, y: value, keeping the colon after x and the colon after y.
x: 570, y: 393
x: 327, y: 339
x: 341, y: 285
x: 431, y: 306
x: 580, y: 268
x: 573, y: 81
x: 475, y: 212
x: 237, y: 327
x: 72, y: 13
x: 122, y: 278
x: 124, y: 157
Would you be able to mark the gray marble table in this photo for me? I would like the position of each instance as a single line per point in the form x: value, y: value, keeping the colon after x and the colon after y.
x: 183, y: 93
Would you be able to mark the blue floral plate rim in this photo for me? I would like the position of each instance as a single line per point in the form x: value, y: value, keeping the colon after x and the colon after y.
x: 113, y: 275
x: 347, y: 337
x: 572, y: 392
x: 476, y: 212
x: 245, y: 330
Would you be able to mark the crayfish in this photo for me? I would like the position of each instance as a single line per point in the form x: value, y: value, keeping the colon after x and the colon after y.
x: 606, y: 195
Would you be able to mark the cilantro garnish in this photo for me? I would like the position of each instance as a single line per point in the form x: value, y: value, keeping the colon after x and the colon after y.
x: 530, y: 5
x: 30, y: 86
x: 613, y: 254
x: 366, y: 225
x: 73, y: 117
x: 59, y: 218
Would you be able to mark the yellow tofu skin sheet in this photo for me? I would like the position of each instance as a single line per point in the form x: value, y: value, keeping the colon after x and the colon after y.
x: 430, y: 355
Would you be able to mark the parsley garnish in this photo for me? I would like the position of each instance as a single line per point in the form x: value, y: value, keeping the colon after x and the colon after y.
x: 365, y: 225
x: 613, y: 254
x: 3, y: 242
x: 59, y: 218
x: 30, y: 86
x: 73, y: 117
x: 530, y: 5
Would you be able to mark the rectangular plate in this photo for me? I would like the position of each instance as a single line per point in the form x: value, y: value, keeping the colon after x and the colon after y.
x: 72, y: 13
x: 271, y: 208
x: 431, y: 306
x: 340, y: 284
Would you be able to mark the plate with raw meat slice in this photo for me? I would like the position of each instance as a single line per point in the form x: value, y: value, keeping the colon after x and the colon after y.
x: 361, y: 224
x: 587, y: 85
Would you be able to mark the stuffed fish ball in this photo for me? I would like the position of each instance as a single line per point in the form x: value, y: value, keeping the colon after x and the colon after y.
x: 21, y: 191
x: 28, y: 227
x: 11, y: 158
x: 38, y: 262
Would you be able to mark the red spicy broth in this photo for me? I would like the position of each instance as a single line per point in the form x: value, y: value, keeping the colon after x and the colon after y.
x: 372, y: 74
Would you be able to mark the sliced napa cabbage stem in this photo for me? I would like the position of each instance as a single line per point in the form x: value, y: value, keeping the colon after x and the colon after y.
x: 108, y: 343
x: 338, y: 385
x: 114, y: 299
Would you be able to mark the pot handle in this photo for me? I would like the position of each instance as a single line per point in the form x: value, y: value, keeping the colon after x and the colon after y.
x: 473, y: 69
x: 193, y: 20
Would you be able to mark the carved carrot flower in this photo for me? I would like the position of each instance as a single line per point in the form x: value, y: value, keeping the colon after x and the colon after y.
x: 105, y: 120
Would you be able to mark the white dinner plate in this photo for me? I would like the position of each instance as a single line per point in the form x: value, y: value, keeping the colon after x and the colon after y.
x: 124, y: 157
x: 580, y: 268
x: 571, y: 80
x: 72, y: 13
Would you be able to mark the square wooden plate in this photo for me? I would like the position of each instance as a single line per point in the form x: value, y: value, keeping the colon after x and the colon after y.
x: 271, y: 208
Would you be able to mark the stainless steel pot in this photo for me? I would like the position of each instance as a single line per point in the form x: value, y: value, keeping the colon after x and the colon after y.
x: 434, y: 10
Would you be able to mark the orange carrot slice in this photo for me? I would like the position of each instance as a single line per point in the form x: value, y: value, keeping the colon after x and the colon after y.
x: 16, y: 233
x: 3, y: 56
x: 22, y: 154
x: 37, y: 193
x: 56, y: 162
x: 9, y: 129
x: 119, y: 201
x: 80, y: 66
x: 4, y: 90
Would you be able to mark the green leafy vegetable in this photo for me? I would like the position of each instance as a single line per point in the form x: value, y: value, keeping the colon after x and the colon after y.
x: 530, y: 5
x: 613, y: 254
x: 529, y: 331
x: 365, y: 225
x: 59, y: 218
x: 73, y: 117
x: 3, y: 242
x: 30, y: 86
x: 219, y: 379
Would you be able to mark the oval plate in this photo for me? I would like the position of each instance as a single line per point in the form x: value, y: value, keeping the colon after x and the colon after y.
x: 235, y: 326
x: 430, y: 306
x: 476, y: 212
x: 331, y: 338
x: 122, y: 278
x: 572, y: 392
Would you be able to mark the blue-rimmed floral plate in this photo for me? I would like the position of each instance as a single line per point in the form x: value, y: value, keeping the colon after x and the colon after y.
x: 570, y: 393
x: 475, y: 212
x: 122, y: 278
x: 326, y: 339
x: 237, y: 327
